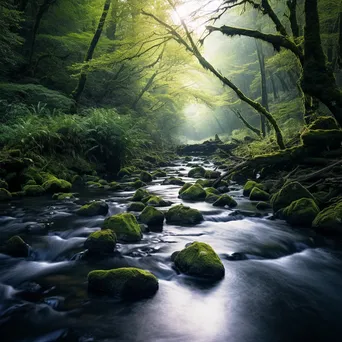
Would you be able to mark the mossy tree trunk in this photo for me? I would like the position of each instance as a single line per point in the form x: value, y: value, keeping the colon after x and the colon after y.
x: 77, y: 93
x: 318, y: 81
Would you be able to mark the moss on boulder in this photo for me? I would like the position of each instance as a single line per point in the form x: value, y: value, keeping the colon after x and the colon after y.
x: 156, y: 201
x: 185, y: 187
x: 115, y: 186
x: 263, y: 206
x: 93, y: 209
x: 180, y: 214
x: 125, y: 226
x: 15, y: 247
x: 174, y: 181
x: 225, y: 200
x: 209, y: 174
x: 197, y: 172
x: 146, y: 177
x: 101, y: 242
x: 301, y: 212
x: 321, y: 138
x: 159, y: 173
x: 248, y: 187
x: 5, y: 195
x: 289, y: 193
x: 53, y: 184
x: 329, y: 220
x: 204, y: 183
x: 92, y: 184
x: 200, y: 260
x: 136, y: 206
x: 259, y: 195
x: 140, y: 194
x: 194, y: 193
x: 126, y: 171
x: 33, y: 190
x: 137, y: 184
x: 126, y: 283
x: 61, y: 196
x: 324, y: 122
x: 152, y: 216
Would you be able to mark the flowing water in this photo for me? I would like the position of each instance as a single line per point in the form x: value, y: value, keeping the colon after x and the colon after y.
x: 280, y: 285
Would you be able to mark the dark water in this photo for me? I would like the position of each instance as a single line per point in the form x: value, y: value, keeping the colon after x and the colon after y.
x: 288, y: 288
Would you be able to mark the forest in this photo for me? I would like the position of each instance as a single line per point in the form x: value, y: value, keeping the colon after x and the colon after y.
x: 170, y: 170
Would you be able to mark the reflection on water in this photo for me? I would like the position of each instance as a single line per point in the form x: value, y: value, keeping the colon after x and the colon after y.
x: 281, y: 284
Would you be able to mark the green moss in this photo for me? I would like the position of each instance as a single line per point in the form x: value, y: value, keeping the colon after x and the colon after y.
x: 15, y: 247
x: 77, y: 180
x: 115, y: 186
x: 31, y: 182
x: 289, y: 193
x: 247, y: 189
x: 180, y: 214
x: 18, y: 194
x: 31, y: 173
x: 156, y: 201
x: 61, y: 196
x: 3, y: 184
x: 197, y: 172
x: 205, y: 182
x: 263, y: 206
x: 52, y: 184
x: 301, y: 212
x: 324, y: 122
x: 140, y: 194
x: 152, y: 216
x: 126, y: 171
x: 185, y: 187
x: 93, y: 209
x: 193, y: 193
x: 125, y: 226
x: 103, y: 182
x: 212, y: 174
x: 145, y: 177
x: 137, y: 184
x: 212, y: 198
x: 101, y: 242
x: 329, y: 220
x: 33, y: 190
x: 136, y: 206
x: 95, y: 185
x: 225, y: 200
x: 174, y: 181
x: 212, y: 191
x: 126, y: 283
x: 199, y: 259
x: 259, y: 195
x: 188, y: 159
x: 5, y: 195
x: 159, y: 173
x: 322, y: 139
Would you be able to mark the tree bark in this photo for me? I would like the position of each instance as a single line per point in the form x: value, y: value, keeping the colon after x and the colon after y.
x: 77, y: 93
x: 274, y: 88
x: 246, y: 123
x: 292, y: 6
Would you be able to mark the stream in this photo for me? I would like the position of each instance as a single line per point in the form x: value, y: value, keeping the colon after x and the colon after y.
x: 281, y: 284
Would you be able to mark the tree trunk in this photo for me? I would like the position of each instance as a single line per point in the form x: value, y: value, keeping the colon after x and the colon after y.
x: 246, y: 123
x: 292, y: 5
x: 264, y: 95
x: 77, y: 93
x: 144, y: 90
x: 274, y: 88
x: 317, y: 80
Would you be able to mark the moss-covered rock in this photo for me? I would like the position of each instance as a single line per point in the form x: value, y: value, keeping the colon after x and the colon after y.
x: 212, y: 191
x: 103, y: 182
x: 159, y: 173
x: 225, y: 200
x: 152, y: 216
x: 197, y: 172
x: 18, y: 194
x: 324, y: 122
x: 101, y: 242
x: 30, y: 182
x: 33, y: 190
x: 209, y: 174
x: 301, y: 212
x: 174, y: 181
x: 263, y: 206
x: 136, y: 206
x: 137, y: 184
x: 5, y: 195
x: 140, y: 194
x: 289, y: 193
x: 212, y: 198
x: 126, y: 283
x: 125, y: 226
x: 15, y: 247
x: 193, y: 193
x: 126, y: 171
x: 3, y: 184
x: 53, y: 184
x: 32, y: 173
x: 61, y: 196
x: 180, y: 214
x: 200, y: 260
x: 188, y: 159
x: 93, y: 209
x: 259, y: 195
x: 248, y: 187
x: 185, y: 187
x: 77, y: 180
x: 321, y: 138
x: 329, y: 220
x: 146, y: 177
x: 156, y: 201
x: 115, y: 186
x: 95, y: 185
x: 204, y: 183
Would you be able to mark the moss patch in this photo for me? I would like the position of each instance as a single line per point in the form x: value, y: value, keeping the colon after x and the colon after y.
x: 156, y: 201
x: 209, y: 174
x: 33, y: 190
x: 225, y: 200
x: 193, y: 193
x: 54, y: 184
x: 101, y: 242
x: 205, y: 182
x: 136, y: 206
x: 259, y: 195
x: 197, y: 172
x: 329, y: 220
x: 61, y: 196
x: 126, y: 283
x: 140, y: 194
x: 145, y: 177
x: 180, y: 214
x: 125, y: 226
x: 93, y: 209
x: 199, y: 259
x: 248, y: 187
x: 152, y: 216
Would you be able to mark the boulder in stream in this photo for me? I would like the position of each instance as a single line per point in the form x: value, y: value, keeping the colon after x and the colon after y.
x: 193, y: 193
x: 146, y: 177
x: 33, y: 190
x: 200, y: 260
x: 250, y: 185
x: 125, y: 226
x: 140, y: 194
x: 197, y: 172
x: 329, y: 220
x: 259, y: 195
x: 15, y: 247
x: 125, y: 283
x: 225, y: 200
x: 93, y: 209
x: 181, y: 214
x: 136, y: 206
x: 5, y: 195
x: 53, y: 184
x: 152, y: 216
x: 156, y: 201
x: 209, y: 174
x: 101, y: 242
